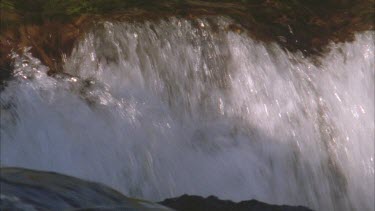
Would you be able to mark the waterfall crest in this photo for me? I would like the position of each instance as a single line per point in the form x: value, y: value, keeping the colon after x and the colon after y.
x: 159, y: 109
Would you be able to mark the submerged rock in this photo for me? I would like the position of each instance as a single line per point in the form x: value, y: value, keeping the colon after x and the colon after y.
x: 24, y: 189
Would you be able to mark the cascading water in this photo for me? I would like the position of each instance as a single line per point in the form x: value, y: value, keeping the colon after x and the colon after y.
x: 160, y: 109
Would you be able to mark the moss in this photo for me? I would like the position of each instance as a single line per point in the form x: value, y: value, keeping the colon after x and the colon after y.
x: 6, y: 5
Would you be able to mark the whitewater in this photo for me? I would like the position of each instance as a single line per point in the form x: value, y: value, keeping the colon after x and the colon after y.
x: 163, y: 108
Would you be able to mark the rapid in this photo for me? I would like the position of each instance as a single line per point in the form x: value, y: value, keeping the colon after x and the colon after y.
x: 162, y: 108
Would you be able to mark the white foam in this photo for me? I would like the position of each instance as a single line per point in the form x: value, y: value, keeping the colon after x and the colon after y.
x: 156, y: 110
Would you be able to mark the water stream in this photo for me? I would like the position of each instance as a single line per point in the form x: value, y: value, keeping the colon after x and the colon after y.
x: 159, y: 109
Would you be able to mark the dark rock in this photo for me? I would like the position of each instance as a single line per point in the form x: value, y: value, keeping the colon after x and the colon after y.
x: 212, y: 203
x: 23, y: 189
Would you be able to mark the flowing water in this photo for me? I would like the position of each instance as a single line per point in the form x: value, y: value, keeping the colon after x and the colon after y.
x: 160, y: 109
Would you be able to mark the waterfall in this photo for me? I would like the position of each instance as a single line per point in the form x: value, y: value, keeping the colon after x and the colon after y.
x: 163, y: 108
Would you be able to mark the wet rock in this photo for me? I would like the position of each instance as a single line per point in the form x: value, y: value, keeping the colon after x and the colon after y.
x: 197, y: 203
x: 52, y: 27
x: 24, y: 189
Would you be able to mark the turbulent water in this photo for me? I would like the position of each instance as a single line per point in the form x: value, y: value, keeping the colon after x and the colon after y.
x: 161, y: 109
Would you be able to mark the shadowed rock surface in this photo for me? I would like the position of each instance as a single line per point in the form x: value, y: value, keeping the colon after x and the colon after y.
x: 197, y: 203
x: 25, y: 189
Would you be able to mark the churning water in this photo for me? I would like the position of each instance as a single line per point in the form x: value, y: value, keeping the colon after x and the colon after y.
x: 161, y: 109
